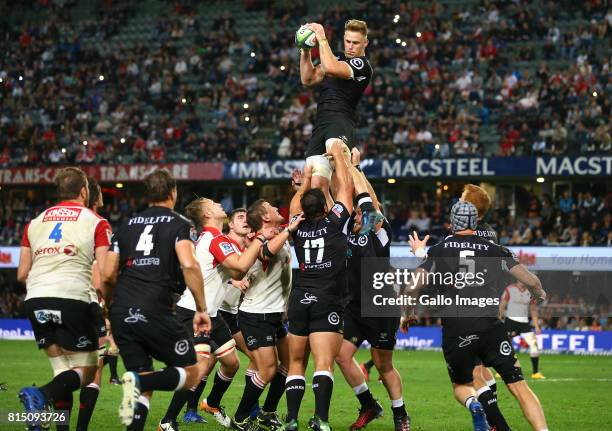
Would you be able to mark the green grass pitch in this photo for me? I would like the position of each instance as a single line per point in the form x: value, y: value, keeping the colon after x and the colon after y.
x: 576, y: 396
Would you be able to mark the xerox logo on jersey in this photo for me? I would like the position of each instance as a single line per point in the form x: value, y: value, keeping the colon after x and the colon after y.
x: 62, y: 214
x: 226, y: 248
x: 47, y: 251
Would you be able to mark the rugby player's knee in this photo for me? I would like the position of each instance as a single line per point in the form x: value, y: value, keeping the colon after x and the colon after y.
x: 321, y: 168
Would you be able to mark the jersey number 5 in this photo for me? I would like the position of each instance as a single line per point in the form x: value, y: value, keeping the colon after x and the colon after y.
x: 467, y: 265
x: 145, y: 242
x: 319, y: 245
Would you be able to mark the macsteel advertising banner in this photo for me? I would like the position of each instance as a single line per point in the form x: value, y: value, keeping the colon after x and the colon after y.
x: 440, y: 168
x: 418, y: 337
x: 460, y: 167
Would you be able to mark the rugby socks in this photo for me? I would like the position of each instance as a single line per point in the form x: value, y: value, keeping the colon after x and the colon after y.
x: 140, y: 414
x: 398, y: 408
x: 220, y: 386
x: 252, y: 391
x: 62, y: 386
x: 176, y: 404
x: 489, y: 404
x: 364, y: 395
x: 368, y: 365
x: 323, y: 386
x: 295, y: 386
x: 88, y: 397
x: 168, y: 379
x: 111, y: 360
x: 65, y: 404
x: 492, y: 384
x: 535, y: 363
x: 468, y: 401
x: 276, y: 391
x: 192, y: 403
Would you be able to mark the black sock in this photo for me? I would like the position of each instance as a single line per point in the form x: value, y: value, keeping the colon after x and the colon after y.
x: 66, y: 405
x: 369, y: 365
x: 535, y: 363
x: 163, y: 380
x: 252, y: 391
x: 494, y: 415
x: 179, y: 399
x: 295, y: 386
x: 399, y: 412
x: 62, y: 386
x: 140, y: 415
x: 220, y: 386
x: 276, y: 391
x: 323, y: 386
x: 112, y: 365
x: 88, y: 398
x: 192, y: 402
x: 493, y: 387
x: 363, y: 394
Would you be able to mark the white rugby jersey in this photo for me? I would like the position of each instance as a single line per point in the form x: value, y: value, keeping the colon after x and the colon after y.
x: 518, y: 303
x: 63, y: 239
x: 212, y: 248
x: 232, y: 295
x: 270, y: 284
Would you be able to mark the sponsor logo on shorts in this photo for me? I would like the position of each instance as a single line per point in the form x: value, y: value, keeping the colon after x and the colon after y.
x: 333, y: 318
x: 251, y: 340
x: 181, y: 347
x: 269, y: 338
x: 62, y: 214
x: 83, y: 342
x: 308, y: 298
x: 46, y: 316
x: 135, y: 316
x: 466, y: 341
x: 505, y: 348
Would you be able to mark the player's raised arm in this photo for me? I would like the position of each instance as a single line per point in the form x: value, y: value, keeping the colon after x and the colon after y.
x: 309, y: 74
x: 355, y: 161
x: 330, y: 65
x: 345, y: 191
x: 295, y: 207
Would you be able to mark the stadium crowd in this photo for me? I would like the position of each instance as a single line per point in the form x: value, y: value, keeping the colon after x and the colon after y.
x: 447, y: 81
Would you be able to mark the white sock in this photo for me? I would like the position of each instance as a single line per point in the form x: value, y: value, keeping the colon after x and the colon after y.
x: 469, y: 401
x: 397, y: 403
x: 360, y: 389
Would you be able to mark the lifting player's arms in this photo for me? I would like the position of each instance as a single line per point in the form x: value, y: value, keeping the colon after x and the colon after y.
x: 315, y: 302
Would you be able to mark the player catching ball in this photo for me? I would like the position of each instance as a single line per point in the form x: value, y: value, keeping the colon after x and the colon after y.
x: 341, y: 81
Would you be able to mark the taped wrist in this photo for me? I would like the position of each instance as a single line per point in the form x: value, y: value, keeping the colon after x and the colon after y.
x: 364, y: 202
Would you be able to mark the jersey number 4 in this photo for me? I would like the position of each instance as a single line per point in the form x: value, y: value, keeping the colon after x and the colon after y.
x: 145, y: 242
x: 319, y: 245
x: 56, y: 233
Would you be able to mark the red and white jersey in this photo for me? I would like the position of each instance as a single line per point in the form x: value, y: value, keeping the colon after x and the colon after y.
x: 270, y: 284
x: 518, y: 303
x: 63, y: 240
x: 212, y: 248
x: 232, y: 295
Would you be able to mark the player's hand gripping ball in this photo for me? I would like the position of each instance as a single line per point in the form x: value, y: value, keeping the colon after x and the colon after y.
x: 305, y: 38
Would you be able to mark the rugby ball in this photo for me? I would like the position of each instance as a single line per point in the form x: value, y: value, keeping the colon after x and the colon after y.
x: 305, y: 38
